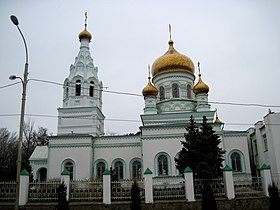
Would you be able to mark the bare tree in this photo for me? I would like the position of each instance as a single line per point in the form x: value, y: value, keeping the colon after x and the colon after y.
x: 8, y: 154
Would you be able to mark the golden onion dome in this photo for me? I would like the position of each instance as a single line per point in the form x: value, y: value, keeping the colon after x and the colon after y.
x: 200, y: 87
x: 217, y: 118
x: 85, y: 34
x: 172, y: 61
x: 150, y: 89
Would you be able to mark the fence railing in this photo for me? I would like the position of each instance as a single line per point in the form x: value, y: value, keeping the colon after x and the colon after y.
x: 247, y: 185
x: 168, y: 188
x: 43, y: 191
x: 121, y: 189
x: 7, y: 191
x: 86, y: 190
x: 217, y: 186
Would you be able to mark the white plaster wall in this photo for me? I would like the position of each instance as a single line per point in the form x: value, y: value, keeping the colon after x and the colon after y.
x: 82, y: 157
x: 273, y: 139
x: 109, y: 154
x: 151, y: 147
x: 36, y: 165
x: 237, y: 142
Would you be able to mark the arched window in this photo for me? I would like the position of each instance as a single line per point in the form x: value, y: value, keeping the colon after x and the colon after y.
x: 100, y: 168
x: 236, y: 162
x: 119, y: 169
x: 161, y: 93
x: 136, y: 169
x: 70, y: 168
x: 189, y: 91
x: 175, y: 90
x: 66, y: 90
x: 78, y: 87
x: 91, y: 88
x: 162, y: 162
x: 42, y: 175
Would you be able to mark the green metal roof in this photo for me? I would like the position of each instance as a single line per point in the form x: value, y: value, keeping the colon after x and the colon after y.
x: 40, y: 153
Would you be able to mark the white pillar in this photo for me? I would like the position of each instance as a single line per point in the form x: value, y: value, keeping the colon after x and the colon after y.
x: 189, y: 188
x: 23, y: 188
x: 148, y: 183
x: 228, y: 182
x: 266, y: 178
x: 65, y: 178
x: 107, y: 187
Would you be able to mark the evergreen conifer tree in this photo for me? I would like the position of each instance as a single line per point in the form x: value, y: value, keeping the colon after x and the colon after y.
x: 201, y: 151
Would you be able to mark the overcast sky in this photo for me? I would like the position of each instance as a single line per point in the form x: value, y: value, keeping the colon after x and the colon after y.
x: 236, y: 41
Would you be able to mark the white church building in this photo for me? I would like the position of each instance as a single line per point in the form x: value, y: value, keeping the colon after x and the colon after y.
x: 171, y: 96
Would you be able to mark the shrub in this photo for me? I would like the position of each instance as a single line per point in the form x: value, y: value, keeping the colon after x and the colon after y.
x: 135, y: 197
x: 274, y: 200
x: 208, y: 199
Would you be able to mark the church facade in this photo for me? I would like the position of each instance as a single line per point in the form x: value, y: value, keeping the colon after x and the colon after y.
x: 171, y: 97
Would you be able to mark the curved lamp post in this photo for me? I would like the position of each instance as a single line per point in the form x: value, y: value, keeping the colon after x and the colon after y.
x: 21, y: 125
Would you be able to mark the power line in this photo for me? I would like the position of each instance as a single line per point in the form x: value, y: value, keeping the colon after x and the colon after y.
x: 117, y: 120
x: 9, y: 85
x: 139, y: 95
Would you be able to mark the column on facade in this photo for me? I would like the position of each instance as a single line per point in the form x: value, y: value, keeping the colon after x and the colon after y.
x: 189, y: 187
x: 148, y: 183
x: 266, y: 178
x: 107, y: 187
x: 228, y: 182
x: 23, y: 188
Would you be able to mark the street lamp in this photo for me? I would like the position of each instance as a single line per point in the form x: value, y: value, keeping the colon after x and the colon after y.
x: 21, y: 123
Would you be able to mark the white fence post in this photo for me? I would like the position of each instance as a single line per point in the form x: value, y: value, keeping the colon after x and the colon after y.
x: 65, y: 178
x: 23, y: 188
x: 107, y: 187
x: 266, y: 178
x: 189, y: 187
x: 148, y: 183
x: 228, y: 182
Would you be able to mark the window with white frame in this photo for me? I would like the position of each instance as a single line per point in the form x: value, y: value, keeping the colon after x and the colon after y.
x: 136, y: 169
x: 162, y: 163
x: 189, y: 93
x: 91, y: 89
x: 236, y: 162
x: 265, y: 146
x: 100, y: 168
x: 175, y: 90
x: 161, y: 93
x: 69, y: 166
x: 78, y: 88
x: 118, y: 166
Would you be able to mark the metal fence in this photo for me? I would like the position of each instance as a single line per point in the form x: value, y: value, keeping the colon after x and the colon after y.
x: 168, y: 188
x: 7, y: 191
x: 43, y: 191
x: 121, y: 189
x: 217, y: 186
x: 86, y: 190
x: 247, y: 185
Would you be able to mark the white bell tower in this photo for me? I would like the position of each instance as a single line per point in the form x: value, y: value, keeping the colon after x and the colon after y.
x: 82, y: 95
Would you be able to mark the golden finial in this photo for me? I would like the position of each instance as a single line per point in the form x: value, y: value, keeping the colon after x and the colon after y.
x: 85, y: 18
x: 149, y: 72
x: 198, y: 64
x: 170, y: 32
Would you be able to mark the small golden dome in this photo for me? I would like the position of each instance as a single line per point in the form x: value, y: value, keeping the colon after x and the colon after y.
x: 150, y: 89
x: 200, y: 87
x: 172, y: 61
x: 85, y: 34
x: 217, y: 118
